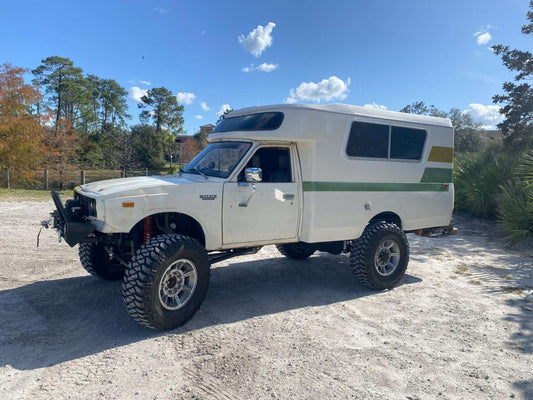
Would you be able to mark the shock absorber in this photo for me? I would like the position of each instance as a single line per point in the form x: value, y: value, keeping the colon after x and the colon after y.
x: 147, y: 232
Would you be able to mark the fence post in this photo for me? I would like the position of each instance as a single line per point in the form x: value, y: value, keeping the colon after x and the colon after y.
x: 6, y: 178
x: 146, y: 171
x: 123, y: 173
x: 82, y: 177
x: 46, y: 183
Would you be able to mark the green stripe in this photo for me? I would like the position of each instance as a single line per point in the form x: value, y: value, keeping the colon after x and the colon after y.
x: 373, y: 187
x: 437, y: 175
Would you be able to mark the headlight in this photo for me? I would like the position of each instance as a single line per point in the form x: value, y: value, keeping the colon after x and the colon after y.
x: 88, y: 205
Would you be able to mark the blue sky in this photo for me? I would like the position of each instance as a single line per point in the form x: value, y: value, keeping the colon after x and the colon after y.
x: 381, y: 53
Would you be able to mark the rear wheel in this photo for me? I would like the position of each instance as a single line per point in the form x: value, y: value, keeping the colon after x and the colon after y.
x: 166, y: 281
x: 97, y: 261
x: 296, y: 251
x: 379, y: 257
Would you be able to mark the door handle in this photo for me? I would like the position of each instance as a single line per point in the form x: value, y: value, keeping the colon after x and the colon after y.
x: 288, y: 196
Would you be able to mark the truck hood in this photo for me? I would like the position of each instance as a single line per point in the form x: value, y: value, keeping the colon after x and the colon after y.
x: 139, y: 184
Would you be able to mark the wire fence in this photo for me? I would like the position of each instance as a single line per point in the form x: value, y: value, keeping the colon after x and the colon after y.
x: 68, y: 179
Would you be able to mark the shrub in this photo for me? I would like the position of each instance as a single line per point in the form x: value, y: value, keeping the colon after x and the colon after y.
x: 174, y: 169
x: 478, y: 179
x: 515, y: 212
x: 515, y: 207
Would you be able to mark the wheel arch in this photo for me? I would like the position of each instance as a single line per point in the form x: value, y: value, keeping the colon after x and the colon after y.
x: 185, y: 225
x: 388, y: 216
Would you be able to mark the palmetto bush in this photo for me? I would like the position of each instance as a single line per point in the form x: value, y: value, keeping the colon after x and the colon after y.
x: 499, y: 186
x: 478, y: 180
x: 515, y: 208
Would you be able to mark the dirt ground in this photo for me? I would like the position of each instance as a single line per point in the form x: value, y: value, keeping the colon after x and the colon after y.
x: 459, y: 326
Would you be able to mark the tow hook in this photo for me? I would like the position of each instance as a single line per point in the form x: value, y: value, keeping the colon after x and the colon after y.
x: 44, y: 224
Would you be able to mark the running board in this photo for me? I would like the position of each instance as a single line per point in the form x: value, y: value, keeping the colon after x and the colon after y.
x: 224, y: 255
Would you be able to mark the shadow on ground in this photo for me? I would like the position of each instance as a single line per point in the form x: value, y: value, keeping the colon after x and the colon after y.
x: 49, y: 322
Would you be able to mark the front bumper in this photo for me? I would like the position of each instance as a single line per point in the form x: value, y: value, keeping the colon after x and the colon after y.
x: 69, y: 224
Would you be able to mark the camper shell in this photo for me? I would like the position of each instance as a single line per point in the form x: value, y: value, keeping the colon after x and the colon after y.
x: 342, y: 192
x: 335, y: 178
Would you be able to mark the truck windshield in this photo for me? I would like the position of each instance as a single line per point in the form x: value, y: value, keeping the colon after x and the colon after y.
x: 218, y: 159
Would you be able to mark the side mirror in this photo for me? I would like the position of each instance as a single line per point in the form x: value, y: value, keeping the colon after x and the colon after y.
x: 253, y: 174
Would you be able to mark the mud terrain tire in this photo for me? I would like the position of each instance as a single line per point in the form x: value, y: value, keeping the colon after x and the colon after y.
x: 379, y: 257
x: 296, y: 251
x: 166, y: 281
x: 96, y: 261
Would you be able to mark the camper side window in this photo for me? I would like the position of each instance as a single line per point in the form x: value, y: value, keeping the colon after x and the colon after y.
x: 385, y: 141
x: 407, y: 143
x: 368, y: 140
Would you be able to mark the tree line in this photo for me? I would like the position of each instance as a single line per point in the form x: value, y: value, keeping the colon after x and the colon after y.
x: 65, y: 119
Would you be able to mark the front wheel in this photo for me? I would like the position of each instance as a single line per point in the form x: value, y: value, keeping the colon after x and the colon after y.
x: 166, y: 281
x: 379, y: 257
x: 97, y: 261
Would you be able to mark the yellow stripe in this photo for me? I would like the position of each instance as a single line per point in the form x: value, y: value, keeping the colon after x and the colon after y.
x: 441, y: 154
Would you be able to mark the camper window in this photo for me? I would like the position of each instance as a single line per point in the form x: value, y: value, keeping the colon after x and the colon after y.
x: 384, y: 141
x: 368, y: 140
x: 407, y: 143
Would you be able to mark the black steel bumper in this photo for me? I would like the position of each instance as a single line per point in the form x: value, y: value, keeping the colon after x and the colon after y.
x: 69, y: 225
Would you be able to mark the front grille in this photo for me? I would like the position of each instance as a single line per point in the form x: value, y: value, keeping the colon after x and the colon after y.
x: 87, y: 204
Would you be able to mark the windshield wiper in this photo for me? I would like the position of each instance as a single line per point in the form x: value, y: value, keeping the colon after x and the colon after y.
x: 200, y: 172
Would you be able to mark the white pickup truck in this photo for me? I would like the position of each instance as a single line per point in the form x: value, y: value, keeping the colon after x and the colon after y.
x: 334, y: 178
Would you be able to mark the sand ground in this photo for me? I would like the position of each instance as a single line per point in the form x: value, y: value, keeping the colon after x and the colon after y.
x: 459, y: 326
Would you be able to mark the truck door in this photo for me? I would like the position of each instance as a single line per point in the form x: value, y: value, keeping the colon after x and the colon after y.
x: 265, y: 211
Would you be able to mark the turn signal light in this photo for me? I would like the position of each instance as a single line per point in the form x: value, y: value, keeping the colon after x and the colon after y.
x: 128, y: 204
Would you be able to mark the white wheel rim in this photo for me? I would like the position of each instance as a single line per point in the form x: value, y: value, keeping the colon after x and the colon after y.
x: 387, y: 257
x: 178, y: 284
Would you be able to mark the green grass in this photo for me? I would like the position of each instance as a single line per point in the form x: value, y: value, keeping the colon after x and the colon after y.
x: 29, y: 195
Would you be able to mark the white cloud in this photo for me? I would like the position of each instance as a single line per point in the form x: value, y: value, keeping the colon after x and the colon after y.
x: 223, y: 108
x: 161, y: 10
x: 332, y: 88
x: 198, y: 116
x: 140, y: 82
x: 265, y: 67
x: 484, y: 38
x: 484, y: 29
x: 185, y: 98
x: 482, y: 35
x: 375, y: 106
x: 204, y: 106
x: 488, y: 115
x: 258, y: 39
x: 136, y: 93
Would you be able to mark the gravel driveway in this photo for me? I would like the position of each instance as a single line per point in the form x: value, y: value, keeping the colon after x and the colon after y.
x: 459, y: 326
